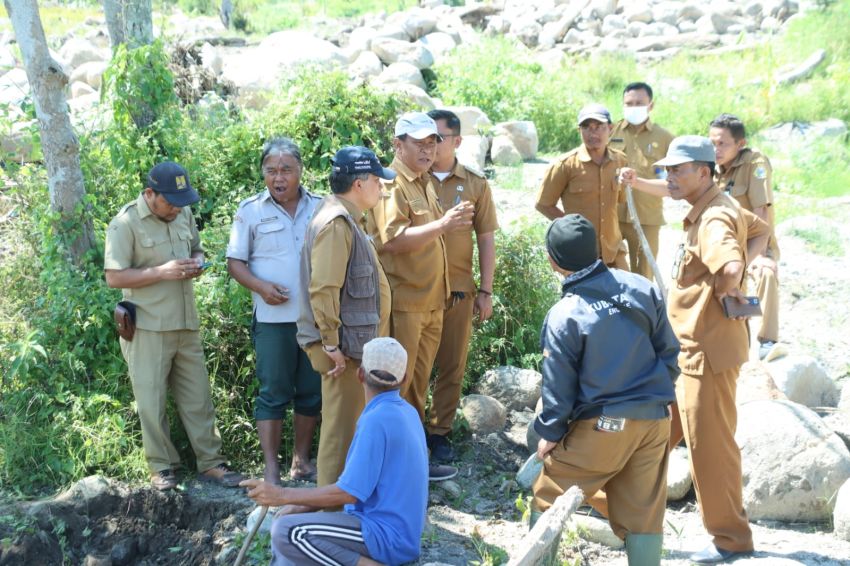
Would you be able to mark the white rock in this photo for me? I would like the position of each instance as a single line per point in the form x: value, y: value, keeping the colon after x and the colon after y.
x: 756, y: 384
x: 841, y: 514
x: 803, y: 381
x: 691, y: 11
x: 76, y: 51
x: 665, y: 12
x: 484, y: 414
x: 551, y: 59
x: 390, y: 32
x: 451, y: 488
x: 725, y: 8
x: 402, y: 73
x: 595, y: 530
x: 504, y: 152
x: 554, y: 31
x: 90, y: 73
x: 79, y: 88
x: 497, y: 25
x: 659, y: 29
x: 792, y: 463
x: 527, y: 30
x: 754, y: 9
x: 87, y: 489
x: 211, y: 58
x: 514, y: 387
x: 635, y: 28
x: 14, y: 87
x: 254, y: 516
x: 438, y: 43
x: 613, y: 22
x: 473, y: 120
x: 523, y: 134
x: 415, y: 22
x: 687, y: 26
x: 638, y: 11
x: 678, y: 474
x: 367, y: 64
x: 601, y: 8
x: 361, y: 38
x: 722, y: 22
x: 529, y: 471
x: 573, y: 37
x: 397, y: 51
x: 770, y: 24
x: 473, y: 151
x: 839, y: 423
x: 417, y: 95
x: 7, y: 59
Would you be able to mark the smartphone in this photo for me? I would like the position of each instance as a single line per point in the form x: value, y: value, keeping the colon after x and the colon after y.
x: 206, y: 265
x: 732, y: 308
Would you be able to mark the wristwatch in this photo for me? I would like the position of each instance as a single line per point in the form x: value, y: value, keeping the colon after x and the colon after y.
x: 330, y: 349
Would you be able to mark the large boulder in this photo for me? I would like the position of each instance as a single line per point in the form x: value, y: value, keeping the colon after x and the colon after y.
x: 211, y: 58
x: 416, y: 22
x: 438, y: 43
x: 412, y: 92
x: 473, y: 151
x: 792, y: 463
x: 367, y: 65
x: 515, y: 388
x: 527, y: 30
x: 396, y: 51
x: 77, y: 51
x: 79, y: 88
x: 804, y: 381
x: 504, y: 152
x: 678, y: 474
x: 473, y: 120
x: 484, y: 414
x: 841, y: 514
x: 523, y: 134
x: 756, y: 384
x: 90, y: 73
x: 401, y: 73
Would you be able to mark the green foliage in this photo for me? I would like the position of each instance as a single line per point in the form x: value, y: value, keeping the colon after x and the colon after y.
x: 822, y: 241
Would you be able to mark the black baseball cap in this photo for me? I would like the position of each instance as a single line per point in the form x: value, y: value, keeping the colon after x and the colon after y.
x: 355, y: 159
x: 172, y: 181
x: 571, y: 242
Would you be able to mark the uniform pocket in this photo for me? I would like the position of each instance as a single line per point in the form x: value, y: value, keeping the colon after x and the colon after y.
x: 270, y: 237
x: 358, y: 327
x: 420, y: 213
x: 361, y: 283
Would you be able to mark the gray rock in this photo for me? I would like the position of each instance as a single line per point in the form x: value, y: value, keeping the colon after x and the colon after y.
x: 659, y: 29
x: 86, y: 489
x: 754, y: 9
x: 531, y: 436
x: 601, y: 8
x: 635, y: 28
x: 79, y: 88
x: 484, y: 414
x: 839, y: 423
x: 595, y: 530
x: 770, y: 24
x: 515, y: 388
x: 612, y: 23
x: 527, y: 30
x: 792, y: 463
x: 211, y: 59
x: 687, y: 26
x: 390, y: 32
x: 573, y: 37
x: 691, y: 11
x: 473, y: 151
x: 397, y: 51
x: 90, y: 73
x: 438, y: 43
x: 803, y: 381
x: 402, y: 73
x: 416, y: 22
x: 523, y: 134
x: 473, y: 120
x: 665, y: 13
x: 254, y: 516
x: 841, y: 514
x: 76, y: 51
x: 361, y: 38
x: 497, y: 25
x: 678, y: 474
x: 527, y: 474
x: 227, y: 555
x: 804, y: 69
x: 504, y: 152
x: 451, y: 488
x: 368, y: 64
x: 124, y: 552
x: 722, y: 22
x: 415, y: 94
x: 756, y: 384
x: 92, y: 560
x: 638, y: 11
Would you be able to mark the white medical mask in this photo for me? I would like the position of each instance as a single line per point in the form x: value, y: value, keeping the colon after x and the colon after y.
x: 636, y: 115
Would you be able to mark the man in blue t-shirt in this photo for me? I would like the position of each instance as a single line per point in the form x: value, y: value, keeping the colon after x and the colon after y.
x: 384, y: 485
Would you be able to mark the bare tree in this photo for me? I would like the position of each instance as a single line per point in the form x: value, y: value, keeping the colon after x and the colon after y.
x: 59, y: 143
x: 128, y: 21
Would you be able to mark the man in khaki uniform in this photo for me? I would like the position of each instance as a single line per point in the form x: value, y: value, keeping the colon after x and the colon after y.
x: 746, y: 175
x: 644, y: 143
x: 709, y: 265
x: 585, y: 182
x: 345, y: 299
x: 457, y: 183
x: 408, y: 227
x: 153, y: 251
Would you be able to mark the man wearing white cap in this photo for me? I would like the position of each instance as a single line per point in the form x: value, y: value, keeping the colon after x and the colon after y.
x: 408, y: 227
x: 384, y: 486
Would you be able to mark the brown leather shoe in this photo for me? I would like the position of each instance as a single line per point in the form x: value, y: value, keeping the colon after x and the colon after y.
x: 163, y: 480
x: 222, y: 476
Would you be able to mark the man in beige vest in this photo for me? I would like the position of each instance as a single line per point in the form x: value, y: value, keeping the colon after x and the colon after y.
x: 345, y: 299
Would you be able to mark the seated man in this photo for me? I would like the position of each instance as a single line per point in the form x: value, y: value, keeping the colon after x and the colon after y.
x: 609, y: 363
x: 384, y: 485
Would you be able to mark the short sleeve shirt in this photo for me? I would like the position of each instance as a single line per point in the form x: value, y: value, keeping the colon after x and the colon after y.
x: 715, y: 233
x: 137, y: 239
x: 419, y: 279
x: 588, y: 189
x: 269, y: 240
x: 465, y: 185
x: 749, y: 180
x: 643, y: 145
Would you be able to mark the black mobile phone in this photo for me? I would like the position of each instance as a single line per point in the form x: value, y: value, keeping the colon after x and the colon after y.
x: 206, y: 264
x: 733, y: 308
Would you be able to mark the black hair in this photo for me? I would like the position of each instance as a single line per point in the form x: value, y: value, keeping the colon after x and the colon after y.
x: 639, y: 86
x: 452, y: 121
x: 282, y: 145
x: 709, y: 164
x: 732, y: 123
x: 380, y: 380
x: 341, y: 182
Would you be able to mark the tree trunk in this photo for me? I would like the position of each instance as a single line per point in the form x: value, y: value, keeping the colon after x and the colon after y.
x: 59, y: 143
x: 128, y: 21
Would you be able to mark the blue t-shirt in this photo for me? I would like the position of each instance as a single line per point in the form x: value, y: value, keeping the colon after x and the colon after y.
x: 387, y: 471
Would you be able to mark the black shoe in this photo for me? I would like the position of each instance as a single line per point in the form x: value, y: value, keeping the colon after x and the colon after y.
x: 437, y: 472
x: 714, y: 555
x: 441, y: 448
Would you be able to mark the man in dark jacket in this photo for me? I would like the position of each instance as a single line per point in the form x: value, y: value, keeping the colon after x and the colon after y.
x: 609, y: 365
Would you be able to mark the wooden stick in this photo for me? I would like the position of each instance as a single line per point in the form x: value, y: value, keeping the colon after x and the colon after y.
x: 644, y: 244
x: 547, y: 531
x: 244, y: 551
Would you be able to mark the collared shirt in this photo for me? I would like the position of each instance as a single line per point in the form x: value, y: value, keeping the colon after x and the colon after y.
x: 328, y: 264
x: 137, y: 239
x: 463, y: 184
x: 269, y: 240
x: 716, y: 231
x: 643, y: 145
x: 748, y: 179
x: 419, y: 279
x: 588, y: 189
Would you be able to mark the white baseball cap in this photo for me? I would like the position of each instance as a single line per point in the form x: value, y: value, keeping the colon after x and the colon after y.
x: 386, y: 356
x: 417, y: 125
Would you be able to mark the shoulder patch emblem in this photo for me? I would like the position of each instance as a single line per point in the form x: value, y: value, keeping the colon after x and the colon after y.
x: 760, y: 172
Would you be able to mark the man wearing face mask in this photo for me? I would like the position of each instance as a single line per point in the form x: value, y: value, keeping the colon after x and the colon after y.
x: 644, y: 143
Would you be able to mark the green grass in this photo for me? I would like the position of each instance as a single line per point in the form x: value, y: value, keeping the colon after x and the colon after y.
x: 822, y: 241
x: 57, y: 19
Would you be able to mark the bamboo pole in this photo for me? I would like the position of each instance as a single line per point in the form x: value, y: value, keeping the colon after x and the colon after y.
x: 546, y: 534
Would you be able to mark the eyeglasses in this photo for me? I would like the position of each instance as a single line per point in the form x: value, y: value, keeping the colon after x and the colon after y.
x: 285, y: 172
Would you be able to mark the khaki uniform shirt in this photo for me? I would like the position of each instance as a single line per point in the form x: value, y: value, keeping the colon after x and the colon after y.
x: 419, y: 279
x: 716, y: 231
x: 137, y: 239
x: 749, y: 180
x: 643, y: 145
x: 465, y: 185
x: 588, y: 189
x: 329, y: 261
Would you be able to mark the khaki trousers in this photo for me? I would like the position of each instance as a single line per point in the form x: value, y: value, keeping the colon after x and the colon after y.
x: 638, y: 261
x: 342, y: 402
x: 630, y: 465
x: 157, y: 362
x: 451, y: 364
x: 419, y: 333
x: 767, y: 289
x: 708, y: 420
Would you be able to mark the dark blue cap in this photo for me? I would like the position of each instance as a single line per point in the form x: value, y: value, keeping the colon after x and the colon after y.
x: 172, y: 181
x: 355, y: 159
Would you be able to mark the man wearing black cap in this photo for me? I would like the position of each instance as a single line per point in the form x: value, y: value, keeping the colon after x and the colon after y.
x: 153, y: 251
x: 345, y: 298
x: 605, y: 419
